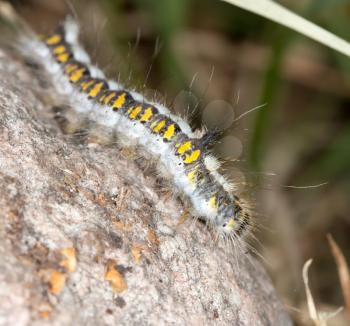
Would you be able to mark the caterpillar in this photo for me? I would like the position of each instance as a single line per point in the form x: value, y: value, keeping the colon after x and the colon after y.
x: 183, y: 153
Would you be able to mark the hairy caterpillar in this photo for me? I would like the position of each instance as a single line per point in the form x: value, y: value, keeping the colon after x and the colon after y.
x: 182, y: 152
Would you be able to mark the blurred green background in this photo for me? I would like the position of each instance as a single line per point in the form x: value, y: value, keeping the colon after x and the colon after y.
x: 300, y: 137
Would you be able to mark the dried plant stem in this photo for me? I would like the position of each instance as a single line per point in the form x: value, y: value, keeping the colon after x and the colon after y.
x: 343, y: 271
x: 318, y: 318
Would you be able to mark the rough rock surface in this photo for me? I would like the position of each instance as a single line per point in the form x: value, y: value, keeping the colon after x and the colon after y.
x: 87, y: 239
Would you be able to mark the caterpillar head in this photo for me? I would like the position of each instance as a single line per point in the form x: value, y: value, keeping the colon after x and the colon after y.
x: 233, y: 220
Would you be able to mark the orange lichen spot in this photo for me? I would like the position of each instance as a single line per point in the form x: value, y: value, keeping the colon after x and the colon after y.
x: 45, y: 311
x: 96, y: 89
x: 59, y: 49
x: 54, y: 39
x: 136, y: 251
x: 158, y: 126
x: 115, y: 278
x: 64, y: 57
x: 147, y: 115
x: 190, y: 158
x: 122, y: 226
x: 56, y: 280
x: 119, y: 102
x: 70, y: 261
x: 182, y: 148
x: 152, y: 237
x: 134, y: 112
x: 45, y: 314
x: 109, y: 97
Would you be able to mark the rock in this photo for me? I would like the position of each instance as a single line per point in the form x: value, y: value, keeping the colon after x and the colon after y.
x: 87, y: 239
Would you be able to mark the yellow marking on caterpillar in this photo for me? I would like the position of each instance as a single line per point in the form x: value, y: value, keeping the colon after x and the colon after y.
x: 119, y: 102
x: 86, y: 84
x: 76, y: 75
x: 169, y: 132
x: 59, y: 49
x: 102, y: 98
x: 70, y: 68
x: 134, y: 112
x: 108, y: 98
x: 96, y: 89
x: 157, y: 126
x: 146, y: 115
x: 213, y: 202
x: 184, y: 147
x: 190, y: 158
x: 192, y: 176
x: 231, y: 223
x: 54, y: 39
x: 63, y: 57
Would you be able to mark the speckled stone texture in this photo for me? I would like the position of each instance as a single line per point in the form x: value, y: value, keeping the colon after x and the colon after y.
x: 86, y: 238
